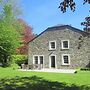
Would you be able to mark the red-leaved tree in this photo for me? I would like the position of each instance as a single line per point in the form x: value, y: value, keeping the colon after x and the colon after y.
x: 27, y: 36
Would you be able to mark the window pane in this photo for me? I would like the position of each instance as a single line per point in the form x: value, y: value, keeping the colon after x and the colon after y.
x: 52, y: 44
x: 36, y: 59
x: 65, y: 44
x: 41, y: 59
x: 66, y: 59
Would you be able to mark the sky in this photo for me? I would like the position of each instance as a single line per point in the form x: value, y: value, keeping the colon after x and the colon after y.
x: 41, y: 14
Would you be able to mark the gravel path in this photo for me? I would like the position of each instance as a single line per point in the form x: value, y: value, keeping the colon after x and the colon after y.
x: 52, y: 70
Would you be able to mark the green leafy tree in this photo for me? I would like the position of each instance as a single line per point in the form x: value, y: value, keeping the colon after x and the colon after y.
x: 9, y: 36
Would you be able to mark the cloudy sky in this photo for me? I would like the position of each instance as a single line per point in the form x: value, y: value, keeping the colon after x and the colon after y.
x: 41, y: 14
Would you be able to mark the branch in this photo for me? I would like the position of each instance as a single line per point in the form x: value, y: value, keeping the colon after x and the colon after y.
x: 3, y: 48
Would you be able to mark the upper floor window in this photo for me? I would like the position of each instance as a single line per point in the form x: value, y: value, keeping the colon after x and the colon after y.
x: 65, y: 59
x: 65, y: 44
x: 52, y: 45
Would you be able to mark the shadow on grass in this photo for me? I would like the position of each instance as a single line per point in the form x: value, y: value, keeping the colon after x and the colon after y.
x: 36, y: 83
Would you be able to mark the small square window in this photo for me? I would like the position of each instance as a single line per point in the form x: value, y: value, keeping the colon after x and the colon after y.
x: 65, y: 59
x: 52, y: 45
x: 65, y: 44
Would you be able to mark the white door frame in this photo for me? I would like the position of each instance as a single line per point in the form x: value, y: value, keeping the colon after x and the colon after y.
x: 50, y: 61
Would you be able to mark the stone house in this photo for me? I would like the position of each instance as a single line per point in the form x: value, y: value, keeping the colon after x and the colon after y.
x: 61, y: 47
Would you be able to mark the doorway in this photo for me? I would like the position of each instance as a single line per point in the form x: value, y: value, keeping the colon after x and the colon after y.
x: 52, y: 61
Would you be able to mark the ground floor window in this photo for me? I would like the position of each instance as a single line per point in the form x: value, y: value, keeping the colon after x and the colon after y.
x: 65, y: 59
x: 38, y: 59
x: 41, y: 59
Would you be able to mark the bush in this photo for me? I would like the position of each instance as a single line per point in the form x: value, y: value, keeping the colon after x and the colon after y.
x: 19, y: 59
x: 85, y: 69
x: 15, y: 66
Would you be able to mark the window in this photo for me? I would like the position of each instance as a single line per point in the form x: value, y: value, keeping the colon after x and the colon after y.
x: 41, y: 59
x: 65, y: 44
x: 52, y: 45
x: 65, y: 59
x: 38, y: 59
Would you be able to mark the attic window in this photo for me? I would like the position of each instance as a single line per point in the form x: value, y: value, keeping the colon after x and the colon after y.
x: 52, y: 45
x: 65, y: 44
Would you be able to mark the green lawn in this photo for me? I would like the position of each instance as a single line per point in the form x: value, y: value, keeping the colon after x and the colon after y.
x: 16, y: 80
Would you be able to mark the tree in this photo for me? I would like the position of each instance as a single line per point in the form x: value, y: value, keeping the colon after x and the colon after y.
x: 27, y: 35
x: 72, y: 5
x: 86, y: 24
x: 9, y: 37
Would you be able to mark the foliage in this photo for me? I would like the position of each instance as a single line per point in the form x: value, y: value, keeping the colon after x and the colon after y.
x: 19, y: 59
x: 67, y: 3
x: 14, y: 66
x: 27, y: 35
x: 9, y: 37
x: 86, y: 24
x: 27, y: 32
x: 70, y: 3
x: 85, y: 69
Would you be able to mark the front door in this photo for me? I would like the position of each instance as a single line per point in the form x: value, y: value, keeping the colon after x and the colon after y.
x: 52, y: 61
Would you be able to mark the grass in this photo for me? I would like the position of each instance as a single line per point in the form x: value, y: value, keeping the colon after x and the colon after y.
x: 16, y: 80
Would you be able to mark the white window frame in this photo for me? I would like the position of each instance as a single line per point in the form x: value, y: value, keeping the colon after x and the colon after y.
x: 38, y: 59
x: 63, y: 59
x: 50, y: 45
x: 50, y: 61
x: 63, y: 45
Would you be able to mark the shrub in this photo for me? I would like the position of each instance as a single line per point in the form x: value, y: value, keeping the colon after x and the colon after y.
x: 19, y: 59
x: 15, y: 66
x: 85, y: 69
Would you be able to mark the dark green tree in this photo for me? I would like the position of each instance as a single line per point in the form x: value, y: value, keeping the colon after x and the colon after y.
x: 86, y: 24
x: 72, y: 5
